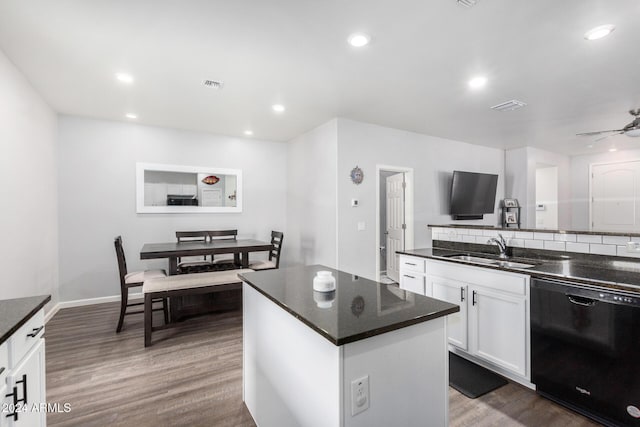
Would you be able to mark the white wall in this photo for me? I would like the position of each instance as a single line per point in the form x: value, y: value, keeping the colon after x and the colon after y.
x: 29, y: 231
x: 311, y: 197
x: 580, y: 181
x: 547, y: 196
x: 97, y: 172
x: 433, y: 161
x: 521, y: 165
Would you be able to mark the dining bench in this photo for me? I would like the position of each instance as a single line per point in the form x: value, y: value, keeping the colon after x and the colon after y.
x: 183, y: 285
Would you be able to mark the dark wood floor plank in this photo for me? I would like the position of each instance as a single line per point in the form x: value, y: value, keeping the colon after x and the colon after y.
x: 192, y: 376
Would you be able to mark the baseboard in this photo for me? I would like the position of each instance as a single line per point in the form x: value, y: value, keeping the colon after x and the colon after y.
x: 86, y: 301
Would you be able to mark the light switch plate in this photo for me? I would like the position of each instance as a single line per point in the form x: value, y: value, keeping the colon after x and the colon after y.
x: 361, y: 226
x: 354, y: 203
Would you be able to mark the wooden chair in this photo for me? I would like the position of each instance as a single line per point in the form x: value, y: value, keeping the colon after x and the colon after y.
x: 132, y: 280
x: 274, y: 254
x: 225, y: 259
x: 192, y: 264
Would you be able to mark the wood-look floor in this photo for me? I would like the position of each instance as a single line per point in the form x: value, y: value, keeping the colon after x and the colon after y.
x: 194, y: 377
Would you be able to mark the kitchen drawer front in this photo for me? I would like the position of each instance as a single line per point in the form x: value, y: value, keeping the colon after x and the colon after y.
x: 4, y: 362
x: 25, y: 338
x: 412, y: 282
x: 414, y: 264
x: 489, y: 278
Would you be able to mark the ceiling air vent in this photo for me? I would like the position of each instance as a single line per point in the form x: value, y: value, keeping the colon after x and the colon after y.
x: 213, y: 84
x: 467, y: 3
x: 509, y: 105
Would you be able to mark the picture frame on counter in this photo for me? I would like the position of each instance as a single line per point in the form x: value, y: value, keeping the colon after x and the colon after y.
x: 511, y: 217
x: 510, y: 203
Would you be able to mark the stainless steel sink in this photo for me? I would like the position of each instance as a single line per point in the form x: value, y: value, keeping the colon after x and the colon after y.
x: 489, y: 261
x: 470, y: 258
x: 512, y: 264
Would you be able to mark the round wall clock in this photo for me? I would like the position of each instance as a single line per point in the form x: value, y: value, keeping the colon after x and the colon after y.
x: 357, y: 175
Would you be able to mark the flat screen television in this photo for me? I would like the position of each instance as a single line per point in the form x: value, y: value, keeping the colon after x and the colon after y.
x: 473, y: 194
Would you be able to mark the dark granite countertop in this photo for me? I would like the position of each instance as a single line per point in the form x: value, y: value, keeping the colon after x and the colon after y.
x: 622, y: 275
x: 15, y: 313
x: 361, y: 308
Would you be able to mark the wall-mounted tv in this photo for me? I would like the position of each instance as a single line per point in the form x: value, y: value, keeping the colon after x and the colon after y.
x: 473, y: 194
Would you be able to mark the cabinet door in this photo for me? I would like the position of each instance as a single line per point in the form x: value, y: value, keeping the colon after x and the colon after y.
x: 412, y: 282
x: 28, y: 378
x: 4, y: 410
x: 455, y: 293
x: 497, y: 328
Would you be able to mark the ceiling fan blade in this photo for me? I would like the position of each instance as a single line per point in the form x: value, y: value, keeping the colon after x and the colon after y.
x: 606, y: 136
x: 598, y: 132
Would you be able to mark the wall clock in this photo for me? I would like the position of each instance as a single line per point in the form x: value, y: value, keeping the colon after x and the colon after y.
x: 357, y: 175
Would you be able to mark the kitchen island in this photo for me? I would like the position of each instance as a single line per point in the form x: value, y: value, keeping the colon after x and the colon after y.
x: 366, y: 354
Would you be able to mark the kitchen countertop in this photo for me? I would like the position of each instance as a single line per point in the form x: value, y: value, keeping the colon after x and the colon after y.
x: 621, y: 275
x: 360, y: 308
x: 15, y: 313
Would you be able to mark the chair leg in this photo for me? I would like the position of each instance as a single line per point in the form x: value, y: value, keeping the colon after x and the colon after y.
x: 165, y: 309
x: 124, y: 300
x: 148, y: 319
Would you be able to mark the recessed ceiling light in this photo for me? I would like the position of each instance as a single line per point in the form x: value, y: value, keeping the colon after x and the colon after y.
x: 359, y: 39
x: 124, y: 78
x: 599, y: 32
x: 248, y: 132
x: 131, y: 116
x: 590, y: 146
x: 278, y: 108
x: 613, y: 149
x: 477, y: 82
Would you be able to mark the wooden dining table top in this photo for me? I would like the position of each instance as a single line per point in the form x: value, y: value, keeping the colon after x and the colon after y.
x: 184, y: 249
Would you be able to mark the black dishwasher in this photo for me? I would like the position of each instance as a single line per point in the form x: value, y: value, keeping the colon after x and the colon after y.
x: 585, y: 349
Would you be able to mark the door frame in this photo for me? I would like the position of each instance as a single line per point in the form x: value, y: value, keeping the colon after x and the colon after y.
x: 408, y: 209
x: 590, y: 179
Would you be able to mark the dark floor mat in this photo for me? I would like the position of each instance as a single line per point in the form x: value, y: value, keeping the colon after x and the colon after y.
x: 470, y: 379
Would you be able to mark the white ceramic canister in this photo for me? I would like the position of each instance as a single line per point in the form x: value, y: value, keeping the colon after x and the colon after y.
x: 324, y: 281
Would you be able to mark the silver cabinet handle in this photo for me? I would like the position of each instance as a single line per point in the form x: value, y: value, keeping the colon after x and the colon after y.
x: 473, y: 298
x: 410, y: 277
x: 461, y: 294
x: 35, y: 332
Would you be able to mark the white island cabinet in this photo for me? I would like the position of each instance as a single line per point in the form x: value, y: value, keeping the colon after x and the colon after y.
x: 22, y: 381
x: 366, y: 354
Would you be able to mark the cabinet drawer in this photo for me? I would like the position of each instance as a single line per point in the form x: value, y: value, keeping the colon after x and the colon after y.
x: 489, y: 278
x: 412, y: 282
x: 25, y: 338
x: 412, y: 264
x: 4, y: 362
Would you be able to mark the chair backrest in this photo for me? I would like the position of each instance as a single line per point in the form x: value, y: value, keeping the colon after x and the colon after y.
x: 223, y: 234
x: 276, y: 240
x: 192, y: 236
x: 122, y: 262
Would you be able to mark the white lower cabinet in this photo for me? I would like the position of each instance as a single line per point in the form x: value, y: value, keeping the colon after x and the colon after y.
x: 455, y: 293
x: 493, y: 322
x: 24, y: 396
x: 498, y: 328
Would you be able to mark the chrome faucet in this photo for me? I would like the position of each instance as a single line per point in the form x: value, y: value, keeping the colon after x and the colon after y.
x: 502, y: 245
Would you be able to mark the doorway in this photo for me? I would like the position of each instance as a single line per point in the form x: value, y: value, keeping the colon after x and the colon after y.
x: 615, y: 196
x: 394, y: 219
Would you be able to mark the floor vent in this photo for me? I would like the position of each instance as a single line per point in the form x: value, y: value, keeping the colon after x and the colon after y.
x: 509, y: 105
x: 213, y: 84
x: 467, y: 3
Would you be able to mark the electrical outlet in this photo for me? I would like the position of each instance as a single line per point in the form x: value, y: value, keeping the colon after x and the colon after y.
x: 633, y: 247
x: 359, y: 395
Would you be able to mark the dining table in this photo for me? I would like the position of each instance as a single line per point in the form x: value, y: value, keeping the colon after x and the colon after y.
x: 174, y: 250
x: 186, y: 306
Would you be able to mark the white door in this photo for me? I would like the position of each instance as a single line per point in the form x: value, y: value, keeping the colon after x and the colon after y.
x: 615, y: 197
x: 455, y: 293
x: 498, y: 328
x: 395, y: 223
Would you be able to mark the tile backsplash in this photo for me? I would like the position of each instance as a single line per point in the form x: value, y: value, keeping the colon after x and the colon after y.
x: 563, y: 242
